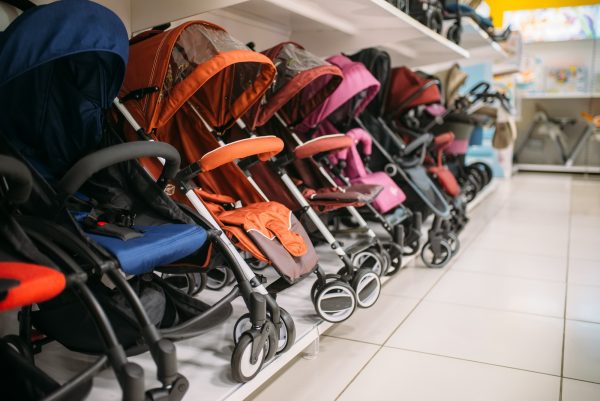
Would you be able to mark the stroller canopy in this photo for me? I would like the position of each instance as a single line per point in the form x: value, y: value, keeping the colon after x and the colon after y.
x: 303, y: 82
x: 63, y: 62
x: 452, y: 80
x: 379, y: 64
x: 408, y: 89
x: 351, y: 97
x: 197, y: 62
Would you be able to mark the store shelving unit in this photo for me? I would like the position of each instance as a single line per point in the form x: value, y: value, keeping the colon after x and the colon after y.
x: 551, y: 168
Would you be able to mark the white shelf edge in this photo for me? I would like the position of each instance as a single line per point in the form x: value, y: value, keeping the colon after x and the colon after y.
x: 565, y: 95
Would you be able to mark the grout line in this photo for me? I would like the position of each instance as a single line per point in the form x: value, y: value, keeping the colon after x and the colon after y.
x: 562, y: 358
x: 472, y: 361
x: 581, y: 380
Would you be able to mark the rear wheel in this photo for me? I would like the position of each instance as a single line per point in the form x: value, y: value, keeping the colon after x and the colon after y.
x: 369, y: 259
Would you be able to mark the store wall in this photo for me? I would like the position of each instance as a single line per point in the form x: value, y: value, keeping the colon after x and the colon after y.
x: 499, y: 6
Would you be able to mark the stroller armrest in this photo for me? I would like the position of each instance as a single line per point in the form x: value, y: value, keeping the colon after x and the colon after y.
x: 443, y: 140
x: 422, y: 140
x: 18, y: 177
x: 264, y: 147
x: 81, y: 171
x: 322, y: 144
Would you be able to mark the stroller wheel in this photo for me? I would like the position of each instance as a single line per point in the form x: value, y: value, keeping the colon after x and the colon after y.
x: 190, y: 283
x: 454, y: 242
x: 470, y: 191
x: 318, y: 284
x: 19, y: 345
x: 367, y: 286
x: 371, y: 260
x: 433, y: 260
x: 242, y: 325
x: 484, y: 169
x: 243, y: 367
x: 335, y: 302
x: 412, y: 244
x: 218, y: 278
x: 395, y: 253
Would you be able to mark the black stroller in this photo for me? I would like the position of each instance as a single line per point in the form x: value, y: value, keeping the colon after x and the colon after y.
x: 405, y: 164
x: 28, y: 277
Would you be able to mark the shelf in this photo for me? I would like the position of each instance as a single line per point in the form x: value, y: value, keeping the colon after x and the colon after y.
x: 478, y: 42
x: 334, y: 26
x: 564, y: 95
x: 550, y: 168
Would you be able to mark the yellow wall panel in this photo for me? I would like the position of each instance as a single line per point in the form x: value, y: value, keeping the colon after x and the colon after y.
x: 499, y: 6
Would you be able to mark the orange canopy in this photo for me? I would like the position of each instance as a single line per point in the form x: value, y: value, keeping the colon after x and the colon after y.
x: 197, y: 62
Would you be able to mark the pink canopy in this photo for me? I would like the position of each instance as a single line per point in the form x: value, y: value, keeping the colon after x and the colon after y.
x: 355, y: 92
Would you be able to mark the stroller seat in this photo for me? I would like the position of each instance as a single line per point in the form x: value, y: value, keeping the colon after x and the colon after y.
x: 359, y: 193
x: 25, y: 284
x: 157, y: 246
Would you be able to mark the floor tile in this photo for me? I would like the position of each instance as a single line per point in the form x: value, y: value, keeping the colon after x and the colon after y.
x: 413, y: 281
x: 585, y: 248
x: 575, y: 390
x: 523, y: 243
x: 403, y: 375
x: 504, y: 338
x: 582, y: 351
x: 501, y: 292
x: 511, y: 264
x: 584, y: 271
x: 376, y: 324
x: 583, y: 302
x: 322, y: 378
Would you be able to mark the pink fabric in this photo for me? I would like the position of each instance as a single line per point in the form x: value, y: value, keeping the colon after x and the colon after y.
x: 357, y: 79
x: 391, y: 195
x: 436, y: 109
x: 457, y: 147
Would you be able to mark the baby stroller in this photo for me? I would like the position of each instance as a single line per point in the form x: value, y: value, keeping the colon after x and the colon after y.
x: 411, y: 98
x: 337, y: 114
x: 28, y: 277
x: 456, y: 11
x: 91, y: 198
x: 200, y: 81
x: 404, y: 163
x: 304, y: 81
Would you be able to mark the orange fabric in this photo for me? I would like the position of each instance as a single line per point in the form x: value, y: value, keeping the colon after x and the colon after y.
x: 37, y: 284
x: 264, y: 147
x: 591, y: 119
x: 326, y: 143
x: 207, y: 84
x: 214, y: 198
x: 271, y: 219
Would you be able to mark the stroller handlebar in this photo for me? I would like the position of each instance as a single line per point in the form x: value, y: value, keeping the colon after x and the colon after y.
x: 264, y: 147
x: 81, y: 171
x: 416, y: 144
x: 18, y: 177
x: 323, y: 144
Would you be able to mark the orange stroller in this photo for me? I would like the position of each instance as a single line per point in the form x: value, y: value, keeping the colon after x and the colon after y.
x: 187, y: 86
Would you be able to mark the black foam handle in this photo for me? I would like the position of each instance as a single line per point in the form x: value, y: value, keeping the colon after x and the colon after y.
x: 18, y: 177
x: 92, y: 163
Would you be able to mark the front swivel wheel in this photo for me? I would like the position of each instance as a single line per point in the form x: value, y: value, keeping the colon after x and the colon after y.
x: 438, y: 259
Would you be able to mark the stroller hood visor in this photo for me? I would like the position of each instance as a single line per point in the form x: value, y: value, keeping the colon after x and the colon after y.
x: 408, y: 89
x: 63, y: 65
x: 355, y: 92
x: 303, y: 83
x: 378, y: 63
x: 197, y: 62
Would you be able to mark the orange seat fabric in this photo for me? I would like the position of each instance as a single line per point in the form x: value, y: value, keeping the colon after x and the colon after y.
x: 36, y: 284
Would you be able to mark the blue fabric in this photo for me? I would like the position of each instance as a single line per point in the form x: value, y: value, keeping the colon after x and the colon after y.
x: 159, y: 246
x: 61, y: 64
x: 466, y: 10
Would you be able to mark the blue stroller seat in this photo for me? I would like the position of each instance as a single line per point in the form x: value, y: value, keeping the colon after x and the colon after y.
x: 158, y: 246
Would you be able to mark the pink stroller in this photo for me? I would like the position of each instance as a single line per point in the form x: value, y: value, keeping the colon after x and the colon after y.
x: 350, y: 98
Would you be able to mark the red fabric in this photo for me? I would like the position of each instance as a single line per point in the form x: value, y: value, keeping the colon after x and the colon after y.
x: 446, y: 180
x: 404, y: 83
x: 444, y: 139
x: 37, y: 284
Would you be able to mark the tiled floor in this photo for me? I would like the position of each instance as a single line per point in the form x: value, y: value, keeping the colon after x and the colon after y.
x: 515, y: 317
